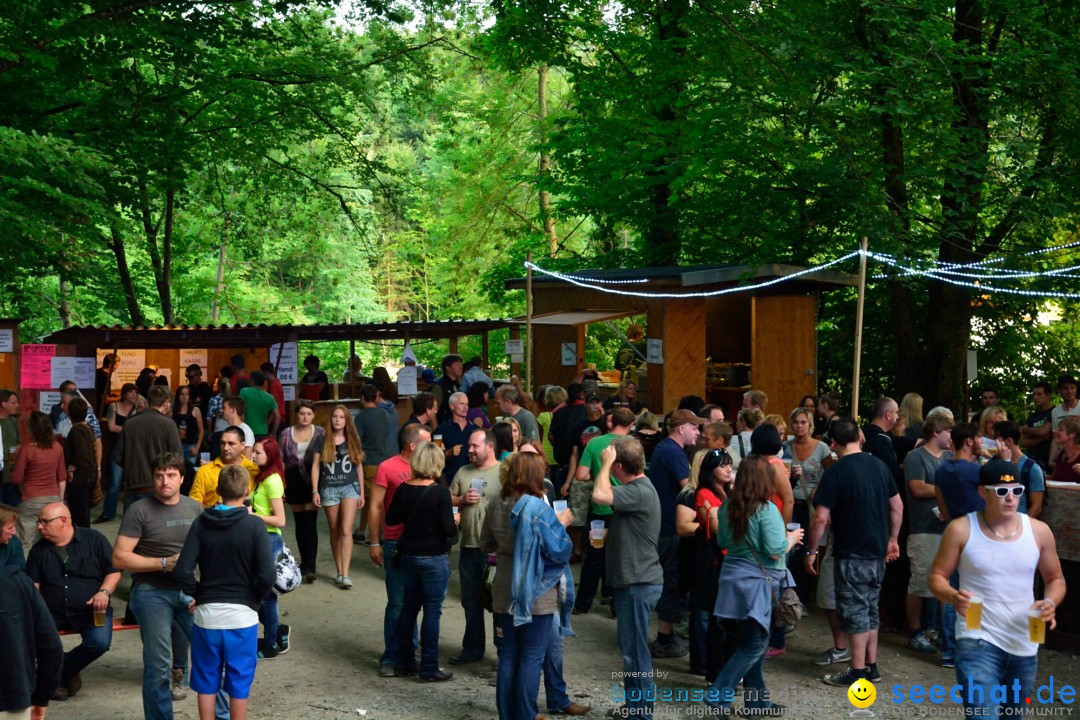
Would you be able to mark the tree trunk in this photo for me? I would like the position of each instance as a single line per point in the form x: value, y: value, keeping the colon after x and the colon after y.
x: 545, y: 162
x: 116, y: 244
x: 219, y: 284
x: 64, y: 307
x: 165, y: 284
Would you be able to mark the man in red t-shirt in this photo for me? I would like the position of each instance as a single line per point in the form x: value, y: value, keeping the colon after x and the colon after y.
x: 388, y: 478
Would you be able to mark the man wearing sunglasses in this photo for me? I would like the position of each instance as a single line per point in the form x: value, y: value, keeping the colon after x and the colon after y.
x: 997, y: 551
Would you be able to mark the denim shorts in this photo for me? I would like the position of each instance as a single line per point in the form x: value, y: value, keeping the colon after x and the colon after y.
x: 331, y: 496
x: 858, y: 588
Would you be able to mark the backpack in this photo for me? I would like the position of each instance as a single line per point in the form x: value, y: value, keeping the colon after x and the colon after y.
x: 288, y: 575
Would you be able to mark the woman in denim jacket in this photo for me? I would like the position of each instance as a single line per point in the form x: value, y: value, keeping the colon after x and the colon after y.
x: 532, y: 581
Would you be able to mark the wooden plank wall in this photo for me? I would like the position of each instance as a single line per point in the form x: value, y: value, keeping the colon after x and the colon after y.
x: 547, y: 357
x: 784, y: 349
x: 9, y: 362
x: 681, y: 325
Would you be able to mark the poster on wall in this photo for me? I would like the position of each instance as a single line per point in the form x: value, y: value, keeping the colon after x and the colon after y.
x: 569, y: 353
x: 127, y: 370
x: 287, y: 364
x: 36, y: 367
x: 406, y: 380
x: 195, y: 356
x: 7, y: 341
x: 654, y: 354
x: 47, y: 401
x: 79, y: 370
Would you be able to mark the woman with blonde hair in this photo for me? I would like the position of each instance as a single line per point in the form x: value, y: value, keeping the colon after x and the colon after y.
x: 336, y: 486
x: 987, y: 419
x: 422, y: 506
x: 911, y: 408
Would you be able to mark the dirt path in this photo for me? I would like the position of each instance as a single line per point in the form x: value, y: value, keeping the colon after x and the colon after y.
x: 331, y: 673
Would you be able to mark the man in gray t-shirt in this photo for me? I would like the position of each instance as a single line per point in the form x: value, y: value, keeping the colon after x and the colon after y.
x: 925, y: 528
x: 633, y: 563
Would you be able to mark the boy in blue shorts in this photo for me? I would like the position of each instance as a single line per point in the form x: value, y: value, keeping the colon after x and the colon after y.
x: 231, y: 549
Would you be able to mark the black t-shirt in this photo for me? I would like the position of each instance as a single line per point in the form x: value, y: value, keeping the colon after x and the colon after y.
x: 70, y: 575
x: 857, y: 490
x: 561, y: 430
x: 583, y: 432
x: 1039, y: 452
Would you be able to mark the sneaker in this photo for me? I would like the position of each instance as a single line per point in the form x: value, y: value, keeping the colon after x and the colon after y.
x: 176, y: 684
x: 920, y: 643
x: 872, y: 673
x: 676, y: 648
x: 283, y: 639
x: 60, y: 694
x: 947, y: 661
x: 310, y: 577
x: 832, y: 655
x: 440, y: 676
x: 386, y: 671
x: 74, y: 685
x: 337, y: 580
x: 772, y: 652
x: 267, y: 651
x: 845, y: 678
x: 346, y: 583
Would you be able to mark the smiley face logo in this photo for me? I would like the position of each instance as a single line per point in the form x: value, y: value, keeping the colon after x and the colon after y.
x: 862, y: 693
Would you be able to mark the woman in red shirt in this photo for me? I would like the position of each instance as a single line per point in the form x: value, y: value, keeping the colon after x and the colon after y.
x: 40, y: 473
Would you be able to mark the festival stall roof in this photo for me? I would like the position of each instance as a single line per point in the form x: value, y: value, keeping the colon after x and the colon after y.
x: 768, y: 332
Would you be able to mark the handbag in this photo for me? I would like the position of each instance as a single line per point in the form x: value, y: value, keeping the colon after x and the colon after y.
x: 486, y: 597
x: 96, y: 496
x: 394, y: 561
x: 787, y: 608
x: 287, y: 572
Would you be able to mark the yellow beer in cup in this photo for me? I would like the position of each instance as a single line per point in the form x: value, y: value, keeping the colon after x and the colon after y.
x: 99, y: 618
x: 1036, y: 627
x: 974, y: 613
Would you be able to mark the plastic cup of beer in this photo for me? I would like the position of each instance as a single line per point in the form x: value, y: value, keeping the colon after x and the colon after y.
x: 99, y: 618
x: 478, y: 486
x: 792, y: 527
x: 597, y: 537
x: 596, y: 525
x: 437, y: 439
x: 560, y: 507
x: 1036, y: 627
x: 974, y: 613
x: 204, y: 458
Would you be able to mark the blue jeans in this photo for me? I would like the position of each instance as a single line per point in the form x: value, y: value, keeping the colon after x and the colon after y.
x: 157, y: 609
x: 112, y: 495
x: 948, y: 621
x: 95, y: 643
x: 471, y: 565
x: 554, y: 684
x: 745, y: 664
x: 426, y: 579
x: 9, y: 494
x: 268, y: 611
x: 633, y: 608
x: 395, y: 599
x: 980, y: 665
x: 521, y: 658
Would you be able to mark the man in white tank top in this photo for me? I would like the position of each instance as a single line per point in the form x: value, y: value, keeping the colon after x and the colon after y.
x: 997, y: 551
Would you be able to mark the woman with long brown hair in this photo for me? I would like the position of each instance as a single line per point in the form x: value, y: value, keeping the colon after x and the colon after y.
x: 336, y: 486
x: 752, y: 531
x: 40, y: 474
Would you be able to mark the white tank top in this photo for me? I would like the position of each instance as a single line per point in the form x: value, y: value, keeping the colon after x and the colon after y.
x: 1002, y: 573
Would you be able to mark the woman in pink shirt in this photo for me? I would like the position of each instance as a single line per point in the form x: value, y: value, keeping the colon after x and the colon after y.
x: 41, y: 474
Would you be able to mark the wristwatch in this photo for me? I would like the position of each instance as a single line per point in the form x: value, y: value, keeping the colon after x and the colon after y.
x: 103, y: 590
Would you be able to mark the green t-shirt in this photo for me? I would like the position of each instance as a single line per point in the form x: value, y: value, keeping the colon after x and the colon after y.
x: 590, y: 458
x: 9, y: 428
x: 270, y: 488
x: 259, y: 404
x: 765, y: 533
x: 472, y: 516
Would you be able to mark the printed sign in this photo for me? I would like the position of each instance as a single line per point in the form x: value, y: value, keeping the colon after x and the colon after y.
x: 36, y: 367
x: 569, y: 353
x: 515, y: 347
x: 77, y: 369
x: 654, y: 353
x: 288, y: 365
x: 127, y: 370
x: 7, y: 341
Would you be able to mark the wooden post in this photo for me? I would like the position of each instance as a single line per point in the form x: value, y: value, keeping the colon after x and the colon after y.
x: 349, y: 367
x: 528, y: 324
x: 484, y: 350
x: 858, y: 330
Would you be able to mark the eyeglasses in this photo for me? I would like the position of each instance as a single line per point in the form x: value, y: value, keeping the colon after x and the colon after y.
x: 45, y: 522
x: 1016, y: 490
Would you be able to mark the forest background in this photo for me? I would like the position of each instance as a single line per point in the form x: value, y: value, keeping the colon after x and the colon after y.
x: 239, y: 161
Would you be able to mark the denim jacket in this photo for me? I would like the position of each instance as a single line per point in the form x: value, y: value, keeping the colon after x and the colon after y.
x: 541, y: 551
x: 744, y: 592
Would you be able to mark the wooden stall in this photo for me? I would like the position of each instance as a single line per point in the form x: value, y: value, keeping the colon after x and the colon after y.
x: 716, y: 347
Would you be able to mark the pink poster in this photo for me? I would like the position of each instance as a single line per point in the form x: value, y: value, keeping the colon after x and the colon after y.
x: 36, y: 366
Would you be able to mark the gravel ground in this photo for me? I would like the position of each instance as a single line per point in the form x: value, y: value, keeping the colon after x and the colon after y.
x: 331, y: 672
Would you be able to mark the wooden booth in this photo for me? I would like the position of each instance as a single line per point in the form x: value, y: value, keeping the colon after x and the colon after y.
x: 716, y: 347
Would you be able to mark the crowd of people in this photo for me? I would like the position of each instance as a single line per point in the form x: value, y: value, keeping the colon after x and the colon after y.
x: 706, y: 524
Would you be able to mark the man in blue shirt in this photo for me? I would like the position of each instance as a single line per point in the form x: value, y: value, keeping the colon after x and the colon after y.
x: 669, y: 472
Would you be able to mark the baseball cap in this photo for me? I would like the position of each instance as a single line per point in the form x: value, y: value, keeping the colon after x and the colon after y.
x: 1066, y: 380
x: 591, y: 395
x: 681, y: 417
x: 998, y: 472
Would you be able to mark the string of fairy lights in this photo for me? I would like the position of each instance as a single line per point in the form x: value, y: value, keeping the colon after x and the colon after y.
x: 973, y: 275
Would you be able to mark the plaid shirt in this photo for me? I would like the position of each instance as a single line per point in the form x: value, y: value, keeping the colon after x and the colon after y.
x: 217, y: 403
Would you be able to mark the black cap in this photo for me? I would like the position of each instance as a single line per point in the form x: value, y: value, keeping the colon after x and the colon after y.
x: 591, y: 395
x: 999, y: 472
x: 1066, y: 380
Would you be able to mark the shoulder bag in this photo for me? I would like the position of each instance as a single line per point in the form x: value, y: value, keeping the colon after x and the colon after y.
x: 787, y: 608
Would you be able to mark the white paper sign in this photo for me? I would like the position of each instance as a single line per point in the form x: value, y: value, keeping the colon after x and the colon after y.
x: 289, y: 391
x: 406, y: 380
x: 408, y: 355
x: 517, y: 357
x: 80, y: 370
x: 48, y: 400
x: 194, y: 356
x: 288, y: 366
x: 569, y: 353
x: 127, y: 370
x: 7, y: 341
x: 654, y: 354
x: 515, y: 347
